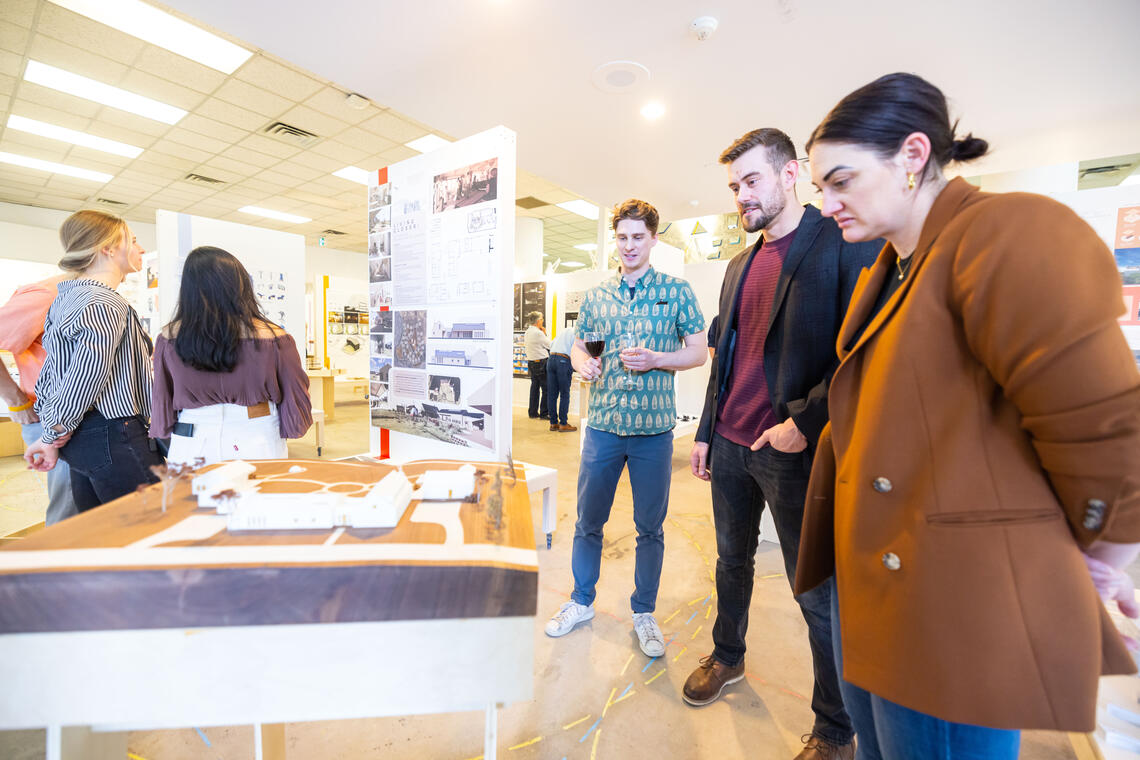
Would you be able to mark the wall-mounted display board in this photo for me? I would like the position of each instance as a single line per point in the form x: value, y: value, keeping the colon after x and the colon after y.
x: 529, y: 297
x: 275, y: 261
x: 346, y: 325
x: 440, y: 240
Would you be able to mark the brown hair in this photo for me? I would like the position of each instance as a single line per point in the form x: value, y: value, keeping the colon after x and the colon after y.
x: 779, y: 145
x: 638, y: 211
x: 84, y: 234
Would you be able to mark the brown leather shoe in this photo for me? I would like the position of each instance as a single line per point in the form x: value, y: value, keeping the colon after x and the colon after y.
x: 818, y: 749
x: 554, y: 428
x: 706, y: 683
x: 566, y: 428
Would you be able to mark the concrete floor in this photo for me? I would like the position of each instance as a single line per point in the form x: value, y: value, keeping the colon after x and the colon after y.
x: 576, y: 676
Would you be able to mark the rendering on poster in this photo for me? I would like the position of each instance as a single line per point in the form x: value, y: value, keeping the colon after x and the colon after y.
x: 465, y: 186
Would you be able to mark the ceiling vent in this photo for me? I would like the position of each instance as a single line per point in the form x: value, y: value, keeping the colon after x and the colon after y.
x: 202, y: 179
x: 333, y: 232
x: 287, y: 133
x: 1104, y: 169
x: 530, y: 202
x: 109, y: 202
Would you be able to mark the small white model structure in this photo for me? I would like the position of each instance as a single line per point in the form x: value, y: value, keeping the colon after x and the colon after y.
x: 447, y: 485
x: 229, y: 489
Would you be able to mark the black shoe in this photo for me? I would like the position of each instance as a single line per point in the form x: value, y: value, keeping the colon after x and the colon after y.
x: 532, y: 416
x: 544, y: 416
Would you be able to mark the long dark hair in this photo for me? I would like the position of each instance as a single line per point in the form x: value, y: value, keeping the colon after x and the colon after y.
x: 881, y: 114
x: 216, y: 309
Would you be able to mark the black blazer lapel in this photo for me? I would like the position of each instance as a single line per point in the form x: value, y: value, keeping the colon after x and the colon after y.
x: 806, y: 234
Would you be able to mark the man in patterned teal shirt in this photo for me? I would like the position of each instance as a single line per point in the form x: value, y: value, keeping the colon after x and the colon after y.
x: 632, y: 414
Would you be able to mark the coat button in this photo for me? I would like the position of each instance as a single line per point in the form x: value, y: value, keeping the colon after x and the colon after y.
x: 882, y: 485
x: 1094, y: 514
x: 891, y: 561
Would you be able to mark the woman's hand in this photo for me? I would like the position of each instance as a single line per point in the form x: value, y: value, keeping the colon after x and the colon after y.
x: 41, y: 456
x: 1115, y: 585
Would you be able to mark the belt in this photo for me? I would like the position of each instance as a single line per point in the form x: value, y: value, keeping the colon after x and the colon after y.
x: 564, y: 356
x: 186, y: 430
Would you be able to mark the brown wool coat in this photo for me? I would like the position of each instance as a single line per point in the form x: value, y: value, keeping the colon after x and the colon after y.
x: 986, y: 407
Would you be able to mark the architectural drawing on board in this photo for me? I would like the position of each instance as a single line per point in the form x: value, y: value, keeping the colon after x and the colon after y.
x: 461, y: 357
x: 461, y: 330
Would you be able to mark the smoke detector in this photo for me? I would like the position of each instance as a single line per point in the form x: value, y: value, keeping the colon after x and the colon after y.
x: 703, y: 27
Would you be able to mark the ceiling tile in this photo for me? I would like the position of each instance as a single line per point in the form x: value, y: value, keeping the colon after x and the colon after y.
x: 194, y: 189
x: 131, y: 121
x: 71, y: 187
x: 159, y: 89
x: 233, y: 165
x: 278, y: 178
x: 209, y: 209
x: 254, y: 98
x: 304, y: 173
x: 269, y: 146
x: 19, y: 12
x: 272, y: 76
x: 45, y: 96
x: 333, y: 149
x: 223, y: 133
x: 321, y: 202
x: 234, y: 117
x: 174, y: 68
x: 116, y: 191
x: 317, y: 161
x: 5, y: 101
x: 18, y: 176
x: 13, y: 37
x: 89, y: 158
x: 172, y: 148
x: 331, y: 101
x: 238, y: 196
x: 365, y: 140
x: 313, y: 121
x: 391, y: 126
x: 70, y: 58
x: 253, y: 157
x: 89, y: 35
x: 330, y: 184
x: 147, y: 168
x: 136, y: 183
x: 32, y: 146
x: 257, y: 185
x: 119, y: 133
x: 397, y: 154
x: 182, y: 163
x: 63, y: 199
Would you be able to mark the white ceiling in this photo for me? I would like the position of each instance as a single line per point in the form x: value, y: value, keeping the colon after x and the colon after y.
x: 1045, y: 81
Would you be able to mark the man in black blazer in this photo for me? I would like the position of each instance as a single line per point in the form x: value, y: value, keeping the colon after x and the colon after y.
x: 781, y: 306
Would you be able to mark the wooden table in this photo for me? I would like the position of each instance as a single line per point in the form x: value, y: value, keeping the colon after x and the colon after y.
x: 322, y: 390
x: 126, y: 617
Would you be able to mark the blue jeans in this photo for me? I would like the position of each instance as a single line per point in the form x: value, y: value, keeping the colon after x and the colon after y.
x: 889, y: 731
x: 742, y: 482
x: 60, y: 503
x: 109, y: 458
x: 558, y: 373
x: 538, y: 403
x: 604, y: 456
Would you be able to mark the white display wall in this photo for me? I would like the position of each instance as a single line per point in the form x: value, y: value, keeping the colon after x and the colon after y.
x: 275, y: 261
x: 440, y: 250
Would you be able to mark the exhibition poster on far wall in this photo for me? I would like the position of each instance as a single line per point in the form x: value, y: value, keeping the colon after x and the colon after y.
x: 435, y: 233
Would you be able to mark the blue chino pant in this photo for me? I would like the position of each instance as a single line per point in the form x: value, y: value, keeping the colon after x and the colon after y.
x: 605, y: 455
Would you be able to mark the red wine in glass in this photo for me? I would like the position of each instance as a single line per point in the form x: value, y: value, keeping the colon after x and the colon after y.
x: 596, y: 347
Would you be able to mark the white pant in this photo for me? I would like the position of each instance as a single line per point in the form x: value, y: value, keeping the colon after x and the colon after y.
x: 225, y: 431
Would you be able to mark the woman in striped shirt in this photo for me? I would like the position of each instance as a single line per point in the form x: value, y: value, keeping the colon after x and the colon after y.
x: 93, y: 395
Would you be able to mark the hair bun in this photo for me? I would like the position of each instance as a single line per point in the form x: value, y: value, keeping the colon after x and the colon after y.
x: 968, y: 148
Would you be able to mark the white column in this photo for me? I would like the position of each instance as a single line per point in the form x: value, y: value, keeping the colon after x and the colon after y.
x: 528, y: 249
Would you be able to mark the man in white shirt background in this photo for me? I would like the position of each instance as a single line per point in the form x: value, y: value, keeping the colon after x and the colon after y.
x: 537, y: 351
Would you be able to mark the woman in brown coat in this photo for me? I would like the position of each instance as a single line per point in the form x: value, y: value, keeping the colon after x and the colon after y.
x: 985, y: 422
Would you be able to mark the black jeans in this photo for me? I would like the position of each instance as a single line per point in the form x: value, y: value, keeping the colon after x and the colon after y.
x: 108, y: 459
x: 537, y: 388
x: 742, y: 481
x: 558, y: 375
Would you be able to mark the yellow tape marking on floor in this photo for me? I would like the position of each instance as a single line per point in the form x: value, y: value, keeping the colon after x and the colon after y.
x: 627, y: 662
x: 773, y: 575
x: 569, y: 726
x: 699, y: 598
x: 609, y: 701
x: 683, y: 650
x: 707, y: 611
x: 671, y: 616
x: 659, y: 674
x: 535, y: 740
x: 133, y: 756
x: 594, y: 748
x: 712, y: 577
x: 699, y: 627
x: 626, y: 696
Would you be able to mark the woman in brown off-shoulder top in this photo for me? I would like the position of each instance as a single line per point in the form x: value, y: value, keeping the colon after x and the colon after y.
x: 228, y: 383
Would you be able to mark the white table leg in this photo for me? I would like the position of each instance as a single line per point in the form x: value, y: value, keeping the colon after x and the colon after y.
x: 53, y: 749
x: 490, y: 738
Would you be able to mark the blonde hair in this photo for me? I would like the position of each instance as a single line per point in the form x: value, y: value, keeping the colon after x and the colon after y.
x: 84, y: 234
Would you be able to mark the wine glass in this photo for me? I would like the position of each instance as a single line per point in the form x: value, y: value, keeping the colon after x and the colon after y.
x: 627, y: 341
x: 595, y: 343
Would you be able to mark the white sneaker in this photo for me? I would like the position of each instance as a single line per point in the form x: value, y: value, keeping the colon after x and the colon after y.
x: 568, y: 615
x: 648, y: 634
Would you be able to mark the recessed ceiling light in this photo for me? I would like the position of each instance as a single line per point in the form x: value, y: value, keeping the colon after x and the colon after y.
x: 160, y: 28
x: 43, y: 129
x: 427, y: 143
x: 89, y: 89
x: 53, y: 167
x: 619, y: 76
x: 653, y: 111
x: 271, y: 214
x: 355, y: 174
x: 587, y: 246
x: 580, y: 207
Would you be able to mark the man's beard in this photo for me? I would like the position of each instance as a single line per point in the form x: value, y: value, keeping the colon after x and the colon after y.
x: 768, y: 213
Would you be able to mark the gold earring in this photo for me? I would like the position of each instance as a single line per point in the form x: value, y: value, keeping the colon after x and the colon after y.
x: 910, y: 181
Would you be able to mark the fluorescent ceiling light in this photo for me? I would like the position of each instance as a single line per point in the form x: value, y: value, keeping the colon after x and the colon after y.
x: 573, y: 264
x: 54, y: 168
x: 1131, y: 179
x: 587, y: 246
x: 580, y: 207
x: 160, y: 28
x: 271, y: 214
x: 355, y: 174
x: 653, y: 111
x: 43, y: 129
x: 89, y: 89
x: 427, y: 143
